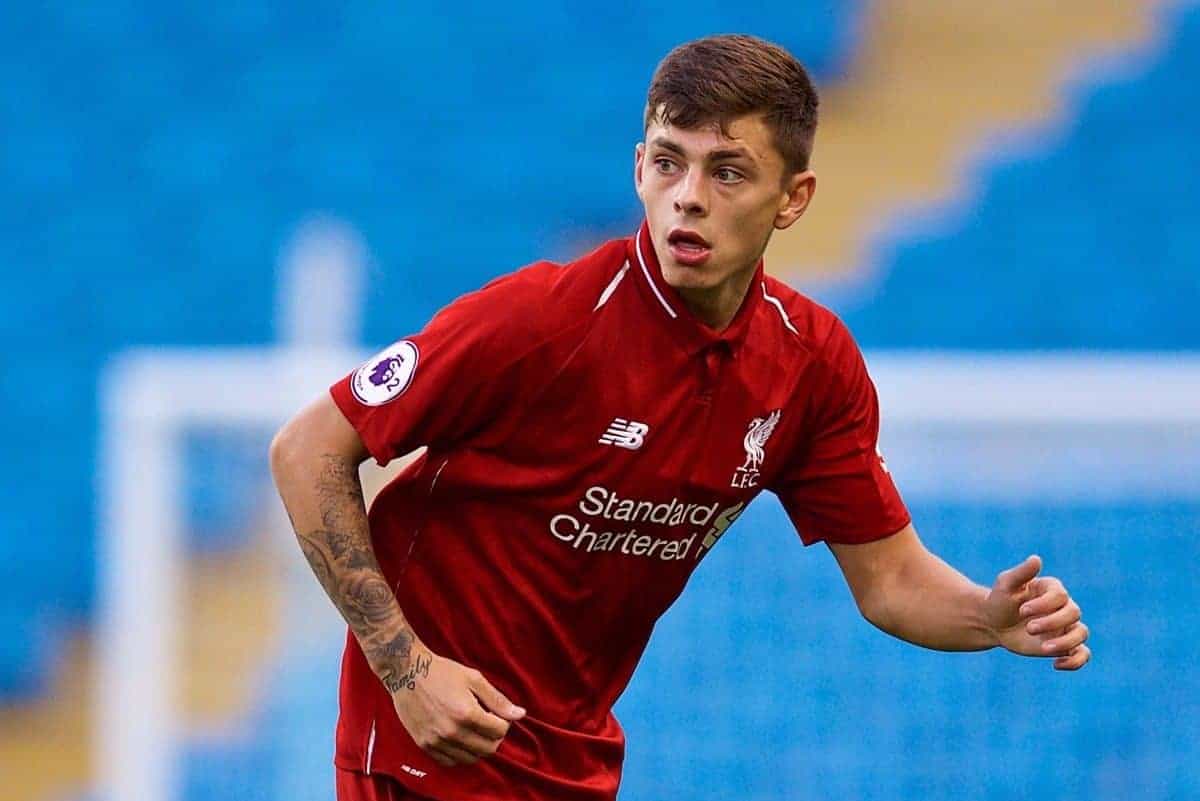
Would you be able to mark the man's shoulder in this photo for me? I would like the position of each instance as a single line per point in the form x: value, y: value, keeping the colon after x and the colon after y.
x: 832, y: 363
x: 557, y: 291
x: 544, y: 297
x: 812, y: 327
x: 518, y: 313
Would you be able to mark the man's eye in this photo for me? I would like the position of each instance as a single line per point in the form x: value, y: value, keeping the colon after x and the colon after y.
x: 665, y: 166
x: 728, y: 176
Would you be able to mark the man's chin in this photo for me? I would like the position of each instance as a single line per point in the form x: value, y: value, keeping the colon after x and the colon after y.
x: 682, y: 276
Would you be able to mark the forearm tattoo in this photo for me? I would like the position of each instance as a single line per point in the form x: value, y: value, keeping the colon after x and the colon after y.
x: 341, y: 556
x: 408, y: 680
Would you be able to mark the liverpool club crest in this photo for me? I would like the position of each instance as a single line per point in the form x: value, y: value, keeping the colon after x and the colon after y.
x: 755, y: 442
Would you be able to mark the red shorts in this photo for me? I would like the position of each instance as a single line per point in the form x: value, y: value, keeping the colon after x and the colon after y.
x: 354, y: 786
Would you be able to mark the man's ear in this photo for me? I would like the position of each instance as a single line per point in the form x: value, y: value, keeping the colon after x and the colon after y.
x: 639, y: 155
x: 798, y: 193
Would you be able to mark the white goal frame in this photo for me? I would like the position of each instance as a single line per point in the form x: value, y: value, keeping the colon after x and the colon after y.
x: 150, y: 397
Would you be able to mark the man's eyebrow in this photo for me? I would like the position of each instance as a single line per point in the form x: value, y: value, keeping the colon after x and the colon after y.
x: 730, y: 153
x: 667, y: 144
x: 716, y: 155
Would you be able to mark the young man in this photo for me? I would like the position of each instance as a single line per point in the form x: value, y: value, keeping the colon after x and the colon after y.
x: 592, y: 430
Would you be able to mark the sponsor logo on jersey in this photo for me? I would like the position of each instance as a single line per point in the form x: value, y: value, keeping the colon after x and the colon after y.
x: 587, y: 527
x: 385, y: 376
x: 722, y: 522
x: 624, y: 433
x: 755, y: 443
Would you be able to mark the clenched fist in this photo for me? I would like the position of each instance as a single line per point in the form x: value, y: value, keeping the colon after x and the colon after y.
x: 451, y: 711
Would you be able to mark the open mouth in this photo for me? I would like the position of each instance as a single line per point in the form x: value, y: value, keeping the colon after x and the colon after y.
x: 688, y: 247
x: 688, y: 240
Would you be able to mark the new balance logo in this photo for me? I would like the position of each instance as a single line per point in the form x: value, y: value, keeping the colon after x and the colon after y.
x: 625, y: 434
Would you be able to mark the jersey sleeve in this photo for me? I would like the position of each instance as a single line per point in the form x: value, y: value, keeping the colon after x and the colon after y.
x: 438, y: 387
x: 837, y: 487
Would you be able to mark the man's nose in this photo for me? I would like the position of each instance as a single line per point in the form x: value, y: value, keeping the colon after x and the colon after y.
x: 691, y: 198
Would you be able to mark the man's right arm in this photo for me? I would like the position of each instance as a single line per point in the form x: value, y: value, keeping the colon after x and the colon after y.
x: 442, y: 704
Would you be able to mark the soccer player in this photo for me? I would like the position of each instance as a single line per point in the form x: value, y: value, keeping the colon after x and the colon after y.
x: 591, y: 431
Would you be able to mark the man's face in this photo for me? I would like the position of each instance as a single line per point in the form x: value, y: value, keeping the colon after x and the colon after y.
x: 713, y: 200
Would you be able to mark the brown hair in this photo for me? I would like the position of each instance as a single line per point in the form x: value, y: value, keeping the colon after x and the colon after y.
x: 719, y: 78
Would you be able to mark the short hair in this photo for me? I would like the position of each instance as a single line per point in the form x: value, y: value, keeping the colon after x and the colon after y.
x: 719, y: 78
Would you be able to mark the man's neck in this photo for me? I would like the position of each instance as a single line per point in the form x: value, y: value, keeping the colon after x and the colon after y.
x: 716, y: 307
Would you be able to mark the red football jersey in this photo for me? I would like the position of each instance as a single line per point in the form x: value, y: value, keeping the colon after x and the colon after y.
x: 589, y: 441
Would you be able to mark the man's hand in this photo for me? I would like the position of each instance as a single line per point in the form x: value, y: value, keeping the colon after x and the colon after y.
x: 451, y: 711
x: 1036, y: 617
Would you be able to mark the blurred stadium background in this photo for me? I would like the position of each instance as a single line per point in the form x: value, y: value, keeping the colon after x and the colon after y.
x: 210, y: 210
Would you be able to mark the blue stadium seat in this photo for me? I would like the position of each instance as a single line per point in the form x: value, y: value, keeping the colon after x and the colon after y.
x: 1052, y: 256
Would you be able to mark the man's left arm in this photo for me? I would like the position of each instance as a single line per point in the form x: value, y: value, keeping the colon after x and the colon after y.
x: 907, y: 591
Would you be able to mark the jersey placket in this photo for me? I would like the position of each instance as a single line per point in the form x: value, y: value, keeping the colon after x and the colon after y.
x: 713, y: 357
x: 712, y: 360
